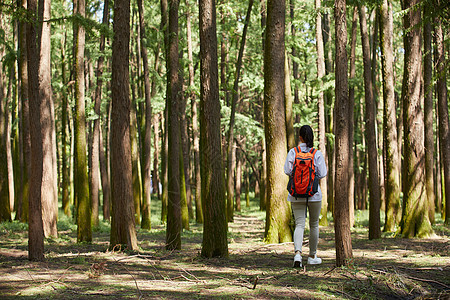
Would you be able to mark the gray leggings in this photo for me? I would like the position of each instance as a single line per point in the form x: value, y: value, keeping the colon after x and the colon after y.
x: 299, y: 214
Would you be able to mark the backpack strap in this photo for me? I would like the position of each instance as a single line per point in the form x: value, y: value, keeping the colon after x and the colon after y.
x: 313, y: 151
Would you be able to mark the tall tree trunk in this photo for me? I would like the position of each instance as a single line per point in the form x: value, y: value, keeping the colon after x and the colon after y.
x: 278, y: 214
x: 22, y: 213
x: 122, y: 222
x: 321, y: 108
x: 344, y: 251
x: 37, y: 130
x: 165, y: 147
x: 84, y: 231
x: 147, y: 160
x: 215, y: 229
x: 106, y: 188
x: 374, y: 187
x: 173, y: 231
x: 49, y: 209
x: 96, y: 134
x: 329, y: 119
x: 351, y: 97
x: 428, y: 112
x: 230, y: 138
x: 392, y: 185
x: 415, y: 221
x: 195, y: 132
x: 295, y: 74
x: 65, y: 143
x: 444, y: 131
x: 5, y: 210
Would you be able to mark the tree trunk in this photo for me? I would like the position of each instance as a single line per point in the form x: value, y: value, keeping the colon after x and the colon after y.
x: 278, y: 214
x: 64, y: 137
x: 444, y: 132
x: 37, y: 130
x: 288, y: 106
x: 392, y: 186
x: 147, y: 159
x: 195, y: 133
x: 165, y: 147
x: 230, y: 138
x: 344, y: 251
x: 22, y: 212
x: 135, y: 165
x: 351, y: 97
x: 239, y: 180
x: 214, y: 242
x: 5, y: 210
x: 84, y: 231
x: 374, y: 187
x: 329, y: 123
x: 321, y: 108
x: 415, y: 221
x: 428, y: 113
x: 122, y: 222
x: 173, y: 231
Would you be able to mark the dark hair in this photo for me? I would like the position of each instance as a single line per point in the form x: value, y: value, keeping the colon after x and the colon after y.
x: 307, y: 134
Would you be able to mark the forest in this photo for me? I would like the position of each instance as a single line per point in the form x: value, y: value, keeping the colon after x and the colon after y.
x: 136, y: 132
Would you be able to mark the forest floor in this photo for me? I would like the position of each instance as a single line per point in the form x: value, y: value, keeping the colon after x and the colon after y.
x: 388, y: 268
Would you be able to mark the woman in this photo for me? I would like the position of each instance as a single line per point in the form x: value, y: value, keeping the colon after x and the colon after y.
x: 313, y: 203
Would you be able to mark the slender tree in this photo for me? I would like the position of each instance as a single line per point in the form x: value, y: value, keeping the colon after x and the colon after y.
x: 230, y: 138
x: 444, y: 130
x: 321, y: 107
x: 351, y: 118
x: 173, y: 231
x: 195, y: 131
x: 392, y: 190
x: 278, y: 213
x: 344, y: 252
x: 147, y: 161
x: 122, y: 218
x: 374, y: 187
x: 84, y: 209
x: 215, y: 229
x: 5, y: 210
x: 22, y: 212
x: 415, y: 221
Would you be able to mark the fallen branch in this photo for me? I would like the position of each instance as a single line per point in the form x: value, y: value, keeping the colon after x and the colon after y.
x: 329, y: 271
x: 416, y: 278
x: 135, y: 282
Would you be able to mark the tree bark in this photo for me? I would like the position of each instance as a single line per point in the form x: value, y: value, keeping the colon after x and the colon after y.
x: 173, y: 231
x: 147, y: 160
x: 351, y: 97
x: 428, y: 113
x: 374, y: 187
x: 278, y: 214
x: 344, y: 252
x: 288, y: 103
x: 230, y: 138
x: 84, y: 209
x: 165, y: 146
x: 392, y: 189
x: 122, y: 218
x: 5, y: 209
x: 321, y: 108
x: 444, y: 131
x: 214, y: 242
x: 22, y: 214
x: 195, y: 132
x: 415, y: 221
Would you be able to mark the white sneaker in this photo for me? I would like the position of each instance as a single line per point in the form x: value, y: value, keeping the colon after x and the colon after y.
x: 314, y: 261
x: 297, y: 261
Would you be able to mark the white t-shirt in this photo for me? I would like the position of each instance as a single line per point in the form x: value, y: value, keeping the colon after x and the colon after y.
x: 321, y: 171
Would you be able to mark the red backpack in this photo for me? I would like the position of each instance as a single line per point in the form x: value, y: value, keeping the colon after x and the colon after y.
x: 303, y: 182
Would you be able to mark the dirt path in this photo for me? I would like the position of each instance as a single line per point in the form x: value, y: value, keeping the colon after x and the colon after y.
x: 390, y: 268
